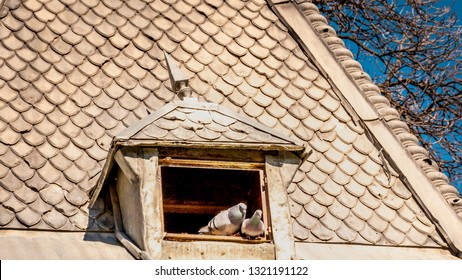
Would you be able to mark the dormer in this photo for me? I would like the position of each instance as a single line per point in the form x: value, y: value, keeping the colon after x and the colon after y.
x: 171, y: 172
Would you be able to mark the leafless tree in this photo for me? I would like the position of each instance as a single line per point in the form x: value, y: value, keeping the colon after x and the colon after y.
x: 412, y: 50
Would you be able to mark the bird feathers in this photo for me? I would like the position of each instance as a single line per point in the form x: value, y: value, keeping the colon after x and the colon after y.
x: 254, y: 226
x: 227, y: 222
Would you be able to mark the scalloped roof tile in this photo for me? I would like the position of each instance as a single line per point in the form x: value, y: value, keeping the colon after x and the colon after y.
x: 74, y: 74
x: 200, y: 122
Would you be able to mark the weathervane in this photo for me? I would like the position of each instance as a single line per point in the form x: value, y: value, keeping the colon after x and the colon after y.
x: 178, y: 79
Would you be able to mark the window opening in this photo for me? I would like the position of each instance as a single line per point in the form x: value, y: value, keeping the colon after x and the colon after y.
x: 193, y: 192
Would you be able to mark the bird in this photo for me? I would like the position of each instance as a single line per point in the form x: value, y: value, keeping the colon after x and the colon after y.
x: 227, y: 222
x: 254, y: 226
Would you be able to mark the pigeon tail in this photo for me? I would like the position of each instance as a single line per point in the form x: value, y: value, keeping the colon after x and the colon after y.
x: 204, y: 230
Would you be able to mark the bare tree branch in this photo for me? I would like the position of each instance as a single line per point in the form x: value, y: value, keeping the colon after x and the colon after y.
x: 416, y: 45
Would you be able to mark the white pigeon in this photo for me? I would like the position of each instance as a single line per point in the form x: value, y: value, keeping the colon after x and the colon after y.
x: 254, y: 226
x: 227, y: 222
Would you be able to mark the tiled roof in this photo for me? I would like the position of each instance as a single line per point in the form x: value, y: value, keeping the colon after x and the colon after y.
x: 74, y: 74
x: 202, y: 122
x: 358, y: 203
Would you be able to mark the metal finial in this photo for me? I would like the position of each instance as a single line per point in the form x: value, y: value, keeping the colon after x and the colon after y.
x: 178, y: 79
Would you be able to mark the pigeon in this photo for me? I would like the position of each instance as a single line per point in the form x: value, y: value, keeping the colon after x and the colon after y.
x: 254, y: 226
x: 227, y: 222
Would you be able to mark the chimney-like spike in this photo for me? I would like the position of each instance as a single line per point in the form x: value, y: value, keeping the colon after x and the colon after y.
x: 178, y: 79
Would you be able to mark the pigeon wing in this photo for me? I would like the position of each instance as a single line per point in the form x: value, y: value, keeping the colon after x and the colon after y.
x: 220, y: 221
x: 226, y: 222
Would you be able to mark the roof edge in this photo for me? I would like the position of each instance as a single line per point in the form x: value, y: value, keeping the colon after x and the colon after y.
x: 215, y: 145
x: 319, y: 51
x: 383, y: 106
x: 340, y: 251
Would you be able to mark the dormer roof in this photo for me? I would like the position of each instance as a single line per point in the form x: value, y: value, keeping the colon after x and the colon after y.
x: 202, y: 123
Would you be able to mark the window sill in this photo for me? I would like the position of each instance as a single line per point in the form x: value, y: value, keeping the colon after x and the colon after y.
x: 203, y: 237
x: 214, y: 250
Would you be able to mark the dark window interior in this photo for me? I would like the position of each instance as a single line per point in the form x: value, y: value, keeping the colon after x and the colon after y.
x: 192, y: 196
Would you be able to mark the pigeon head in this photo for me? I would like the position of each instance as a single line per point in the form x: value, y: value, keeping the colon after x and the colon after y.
x: 242, y: 208
x: 258, y: 214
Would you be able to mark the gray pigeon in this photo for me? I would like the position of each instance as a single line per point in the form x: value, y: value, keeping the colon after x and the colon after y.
x: 227, y: 222
x: 254, y: 226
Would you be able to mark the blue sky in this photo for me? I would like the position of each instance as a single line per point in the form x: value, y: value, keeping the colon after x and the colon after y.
x: 458, y: 9
x: 371, y: 67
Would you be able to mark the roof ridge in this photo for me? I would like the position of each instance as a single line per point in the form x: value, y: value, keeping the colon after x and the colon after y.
x: 381, y: 103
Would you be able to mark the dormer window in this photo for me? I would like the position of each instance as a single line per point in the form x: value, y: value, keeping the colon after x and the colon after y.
x: 183, y: 164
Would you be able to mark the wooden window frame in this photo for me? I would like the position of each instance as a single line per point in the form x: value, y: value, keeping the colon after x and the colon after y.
x: 221, y: 165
